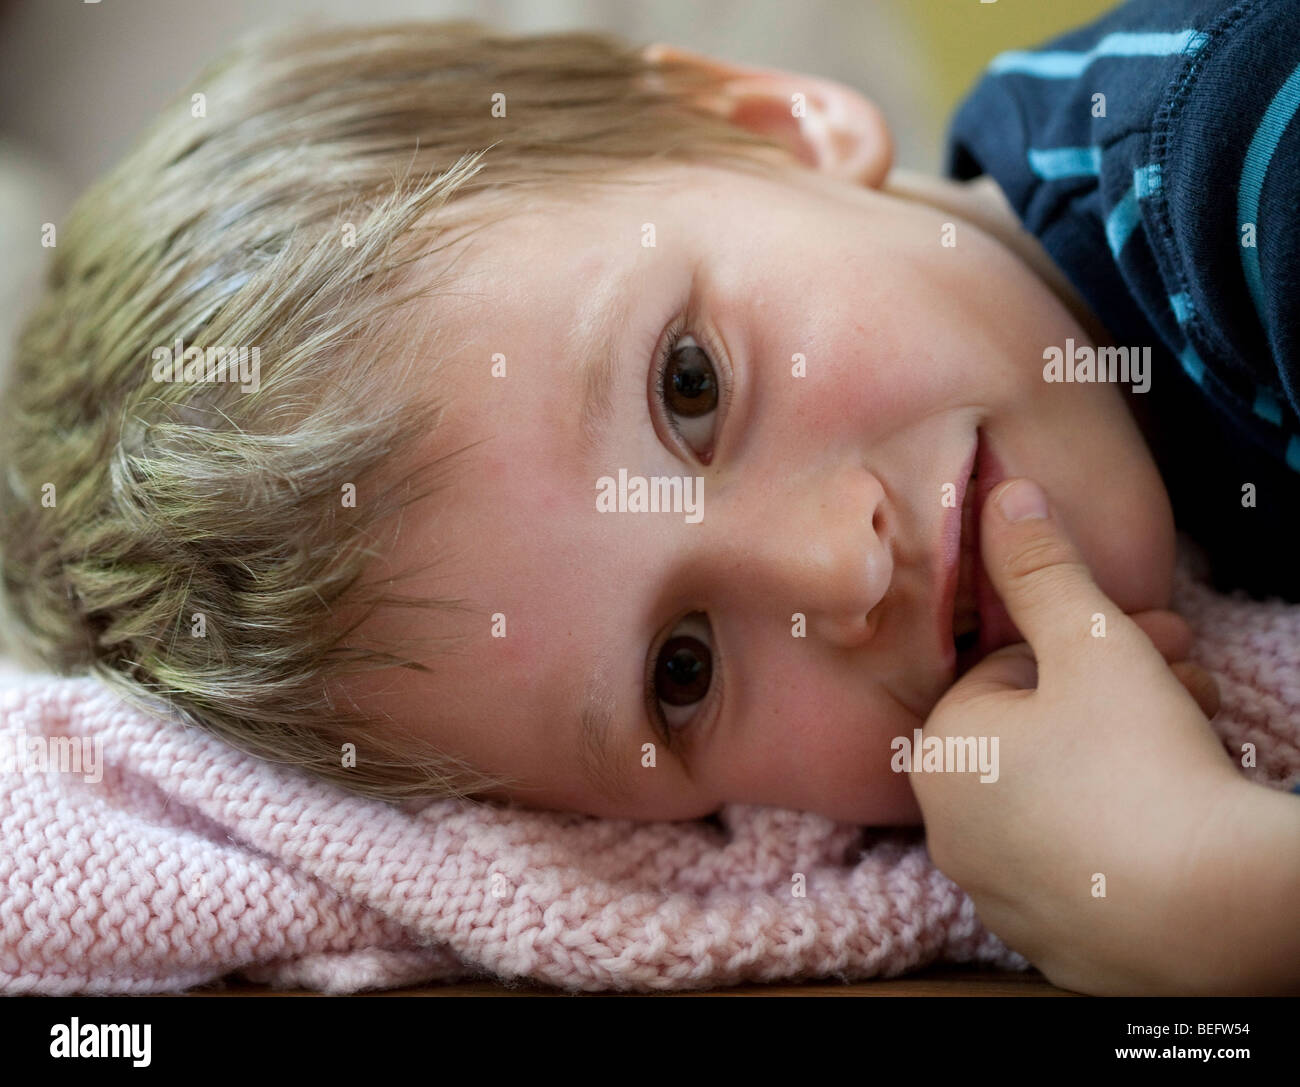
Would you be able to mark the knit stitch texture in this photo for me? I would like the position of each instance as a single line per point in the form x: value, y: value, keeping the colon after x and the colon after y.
x: 190, y: 861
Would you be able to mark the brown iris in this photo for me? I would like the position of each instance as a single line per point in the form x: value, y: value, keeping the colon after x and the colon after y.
x: 683, y: 670
x: 690, y: 386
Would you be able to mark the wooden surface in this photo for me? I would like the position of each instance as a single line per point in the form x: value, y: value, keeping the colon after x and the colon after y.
x: 939, y: 981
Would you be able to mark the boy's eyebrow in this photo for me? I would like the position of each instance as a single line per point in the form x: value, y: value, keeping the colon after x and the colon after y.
x: 595, y: 342
x: 603, y: 770
x: 600, y: 369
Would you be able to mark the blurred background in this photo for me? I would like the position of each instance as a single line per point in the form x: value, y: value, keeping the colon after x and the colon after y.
x: 79, y: 80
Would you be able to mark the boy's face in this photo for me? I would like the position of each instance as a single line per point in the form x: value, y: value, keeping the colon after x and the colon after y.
x: 822, y: 494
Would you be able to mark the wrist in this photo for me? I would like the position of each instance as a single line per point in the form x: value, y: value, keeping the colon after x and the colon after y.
x: 1245, y: 909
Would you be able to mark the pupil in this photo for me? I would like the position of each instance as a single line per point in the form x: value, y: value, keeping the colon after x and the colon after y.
x: 684, y: 670
x: 692, y: 387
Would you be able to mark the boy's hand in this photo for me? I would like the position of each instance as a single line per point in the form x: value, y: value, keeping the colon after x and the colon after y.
x: 1092, y: 852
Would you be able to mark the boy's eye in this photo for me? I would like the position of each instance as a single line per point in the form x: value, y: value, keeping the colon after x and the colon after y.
x: 687, y: 386
x: 690, y: 385
x: 682, y: 675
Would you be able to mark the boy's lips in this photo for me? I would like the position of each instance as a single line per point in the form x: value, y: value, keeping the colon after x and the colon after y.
x: 995, y: 626
x: 950, y: 559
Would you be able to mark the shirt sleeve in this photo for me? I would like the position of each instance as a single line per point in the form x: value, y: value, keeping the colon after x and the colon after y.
x: 1225, y: 233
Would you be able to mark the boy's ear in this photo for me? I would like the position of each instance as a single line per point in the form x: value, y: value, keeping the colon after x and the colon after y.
x: 825, y: 124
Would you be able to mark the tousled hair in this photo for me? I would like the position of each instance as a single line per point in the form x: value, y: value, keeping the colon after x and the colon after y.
x: 286, y: 209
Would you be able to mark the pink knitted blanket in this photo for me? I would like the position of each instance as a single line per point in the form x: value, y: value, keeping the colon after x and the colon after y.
x: 189, y: 861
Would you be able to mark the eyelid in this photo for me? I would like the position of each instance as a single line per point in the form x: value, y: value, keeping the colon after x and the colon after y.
x: 652, y: 708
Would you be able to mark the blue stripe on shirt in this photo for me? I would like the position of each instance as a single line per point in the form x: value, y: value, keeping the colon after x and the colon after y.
x: 1051, y: 163
x: 1124, y: 216
x: 1192, y: 364
x: 1266, y: 405
x: 1120, y: 222
x: 1059, y: 64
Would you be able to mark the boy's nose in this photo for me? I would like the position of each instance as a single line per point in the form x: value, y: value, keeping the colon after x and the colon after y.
x: 827, y: 552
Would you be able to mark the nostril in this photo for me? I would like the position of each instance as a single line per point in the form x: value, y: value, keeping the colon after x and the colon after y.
x: 880, y: 522
x: 872, y: 623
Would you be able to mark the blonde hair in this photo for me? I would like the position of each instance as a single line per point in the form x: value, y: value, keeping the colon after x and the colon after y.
x: 134, y: 513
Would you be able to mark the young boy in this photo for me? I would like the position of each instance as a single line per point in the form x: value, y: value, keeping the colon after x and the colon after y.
x: 669, y: 279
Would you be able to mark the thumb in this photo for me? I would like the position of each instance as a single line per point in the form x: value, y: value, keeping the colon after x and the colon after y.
x: 1040, y: 575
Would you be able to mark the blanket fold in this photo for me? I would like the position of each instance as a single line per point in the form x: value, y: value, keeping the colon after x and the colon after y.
x: 189, y: 861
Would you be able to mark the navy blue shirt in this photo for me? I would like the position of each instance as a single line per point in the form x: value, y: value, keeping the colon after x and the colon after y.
x: 1155, y: 154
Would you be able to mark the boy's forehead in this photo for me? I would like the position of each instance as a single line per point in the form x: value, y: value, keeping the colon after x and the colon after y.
x: 549, y: 246
x: 642, y: 189
x: 514, y: 342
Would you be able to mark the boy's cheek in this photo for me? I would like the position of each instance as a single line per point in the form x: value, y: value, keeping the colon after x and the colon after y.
x: 1130, y: 548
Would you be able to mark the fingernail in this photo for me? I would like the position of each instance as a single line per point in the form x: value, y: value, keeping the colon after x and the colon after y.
x: 1023, y: 500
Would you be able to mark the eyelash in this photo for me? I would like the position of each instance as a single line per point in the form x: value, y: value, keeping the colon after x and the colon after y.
x: 671, y: 342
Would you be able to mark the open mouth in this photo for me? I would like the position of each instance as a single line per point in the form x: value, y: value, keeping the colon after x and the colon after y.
x: 965, y: 610
x: 980, y: 622
x: 968, y: 603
